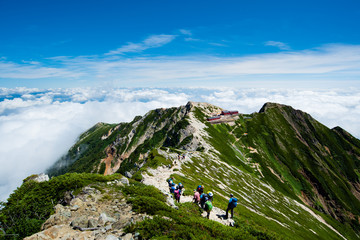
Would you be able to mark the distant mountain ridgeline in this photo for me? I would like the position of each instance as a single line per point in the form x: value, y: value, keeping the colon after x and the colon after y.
x: 269, y: 158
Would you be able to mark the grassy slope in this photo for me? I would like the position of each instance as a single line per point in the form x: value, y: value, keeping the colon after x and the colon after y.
x: 88, y: 149
x: 254, y: 195
x: 304, y: 161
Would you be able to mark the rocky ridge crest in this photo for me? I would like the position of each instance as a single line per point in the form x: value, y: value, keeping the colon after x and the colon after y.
x: 92, y: 214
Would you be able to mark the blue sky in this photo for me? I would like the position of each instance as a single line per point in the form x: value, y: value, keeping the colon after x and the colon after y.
x: 171, y: 44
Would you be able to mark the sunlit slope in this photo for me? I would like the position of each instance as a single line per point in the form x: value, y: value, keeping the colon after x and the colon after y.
x: 231, y: 166
x: 281, y: 163
x: 305, y: 159
x: 107, y: 148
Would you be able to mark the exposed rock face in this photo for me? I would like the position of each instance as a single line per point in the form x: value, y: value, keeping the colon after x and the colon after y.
x: 91, y: 215
x: 171, y: 127
x: 42, y: 177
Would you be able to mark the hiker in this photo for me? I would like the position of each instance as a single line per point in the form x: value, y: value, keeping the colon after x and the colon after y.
x: 177, y: 194
x: 181, y: 187
x: 200, y: 189
x: 170, y: 181
x: 172, y: 188
x: 210, y: 196
x: 231, y: 205
x: 208, y: 207
x: 203, y: 199
x: 196, y: 196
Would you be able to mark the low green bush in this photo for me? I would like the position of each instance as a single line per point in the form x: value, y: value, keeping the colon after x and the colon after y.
x: 149, y: 205
x: 140, y: 189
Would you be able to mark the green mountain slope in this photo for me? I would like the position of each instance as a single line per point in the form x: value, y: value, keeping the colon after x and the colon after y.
x: 319, y: 164
x: 292, y: 174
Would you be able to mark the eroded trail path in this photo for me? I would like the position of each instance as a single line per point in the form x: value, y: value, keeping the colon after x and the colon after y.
x: 158, y: 177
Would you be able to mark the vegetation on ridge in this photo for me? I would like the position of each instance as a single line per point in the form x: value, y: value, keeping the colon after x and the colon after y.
x: 30, y: 205
x: 272, y: 160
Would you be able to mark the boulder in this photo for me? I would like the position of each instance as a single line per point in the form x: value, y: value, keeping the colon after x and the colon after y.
x: 124, y: 181
x: 81, y: 222
x: 103, y: 219
x: 92, y: 223
x: 74, y: 208
x: 128, y: 175
x: 61, y: 216
x: 62, y: 232
x: 68, y: 196
x: 42, y: 177
x: 111, y: 237
x: 128, y: 236
x: 77, y: 203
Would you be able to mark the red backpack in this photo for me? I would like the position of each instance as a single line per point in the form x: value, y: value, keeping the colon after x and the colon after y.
x: 177, y: 194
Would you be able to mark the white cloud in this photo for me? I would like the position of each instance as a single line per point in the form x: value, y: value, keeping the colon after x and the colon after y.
x: 331, y: 63
x: 217, y: 44
x: 38, y: 126
x: 33, y: 70
x: 323, y: 63
x: 280, y: 45
x: 185, y: 32
x: 153, y: 41
x: 190, y: 39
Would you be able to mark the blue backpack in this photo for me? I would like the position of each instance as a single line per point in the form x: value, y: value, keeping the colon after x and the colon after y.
x: 234, y: 202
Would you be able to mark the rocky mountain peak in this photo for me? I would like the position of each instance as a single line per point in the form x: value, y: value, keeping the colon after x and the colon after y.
x: 269, y: 105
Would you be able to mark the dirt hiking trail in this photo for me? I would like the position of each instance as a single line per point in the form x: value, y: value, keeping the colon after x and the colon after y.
x: 158, y: 177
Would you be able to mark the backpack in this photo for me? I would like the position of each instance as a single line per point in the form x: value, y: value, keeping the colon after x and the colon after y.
x: 172, y: 189
x: 234, y: 202
x: 170, y: 181
x: 177, y: 194
x: 208, y: 206
x: 203, y: 197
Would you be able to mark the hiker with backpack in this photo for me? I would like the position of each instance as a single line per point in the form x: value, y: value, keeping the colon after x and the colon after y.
x: 177, y: 194
x: 196, y: 197
x: 203, y: 199
x: 172, y: 187
x: 231, y: 205
x: 181, y: 187
x: 170, y: 180
x: 210, y: 196
x: 200, y: 189
x: 208, y: 207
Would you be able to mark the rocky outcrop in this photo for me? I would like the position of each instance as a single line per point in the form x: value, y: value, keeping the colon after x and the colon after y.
x: 92, y: 215
x: 42, y: 177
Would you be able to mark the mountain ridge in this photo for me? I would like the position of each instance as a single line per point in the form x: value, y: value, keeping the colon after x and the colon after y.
x: 274, y: 160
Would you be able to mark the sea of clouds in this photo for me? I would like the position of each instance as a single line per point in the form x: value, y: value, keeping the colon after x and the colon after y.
x: 38, y: 126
